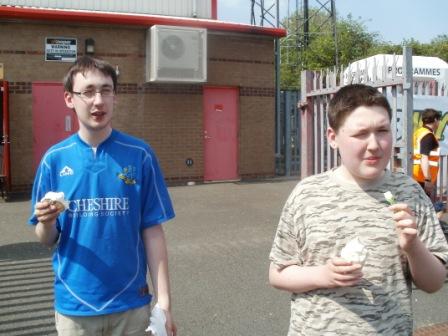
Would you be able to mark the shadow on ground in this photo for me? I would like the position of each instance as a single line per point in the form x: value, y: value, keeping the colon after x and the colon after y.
x: 23, y: 251
x: 26, y: 290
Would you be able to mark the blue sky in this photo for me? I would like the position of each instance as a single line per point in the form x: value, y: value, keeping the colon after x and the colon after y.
x: 394, y: 20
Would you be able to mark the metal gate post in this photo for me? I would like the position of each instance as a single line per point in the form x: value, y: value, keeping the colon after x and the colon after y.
x: 306, y: 111
x: 278, y: 139
x: 408, y: 108
x: 287, y: 114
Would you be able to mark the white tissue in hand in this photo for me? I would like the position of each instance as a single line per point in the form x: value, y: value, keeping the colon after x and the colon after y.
x: 157, y: 322
x: 355, y: 252
x: 56, y: 197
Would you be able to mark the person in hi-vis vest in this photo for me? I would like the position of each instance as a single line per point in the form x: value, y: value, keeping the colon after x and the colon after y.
x: 426, y: 152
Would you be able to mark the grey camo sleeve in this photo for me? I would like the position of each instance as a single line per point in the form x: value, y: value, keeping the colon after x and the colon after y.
x: 284, y: 250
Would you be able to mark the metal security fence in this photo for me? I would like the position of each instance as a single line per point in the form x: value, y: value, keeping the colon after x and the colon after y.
x: 427, y: 94
x: 429, y: 87
x: 317, y: 90
x: 442, y: 180
x: 287, y: 158
x: 430, y: 93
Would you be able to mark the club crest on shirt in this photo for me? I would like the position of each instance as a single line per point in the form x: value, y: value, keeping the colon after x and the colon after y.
x: 66, y: 171
x: 127, y: 175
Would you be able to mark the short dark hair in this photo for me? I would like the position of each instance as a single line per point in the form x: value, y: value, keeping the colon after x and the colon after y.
x: 430, y: 115
x: 349, y: 98
x: 87, y: 63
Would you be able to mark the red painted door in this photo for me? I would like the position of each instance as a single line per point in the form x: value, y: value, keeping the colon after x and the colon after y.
x: 220, y: 133
x: 53, y: 121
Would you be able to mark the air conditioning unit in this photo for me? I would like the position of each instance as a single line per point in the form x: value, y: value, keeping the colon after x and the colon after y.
x: 178, y: 54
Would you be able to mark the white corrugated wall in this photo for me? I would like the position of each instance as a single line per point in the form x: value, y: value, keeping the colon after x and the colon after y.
x: 184, y: 8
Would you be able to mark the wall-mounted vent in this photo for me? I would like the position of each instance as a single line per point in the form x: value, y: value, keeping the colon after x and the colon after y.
x: 178, y: 54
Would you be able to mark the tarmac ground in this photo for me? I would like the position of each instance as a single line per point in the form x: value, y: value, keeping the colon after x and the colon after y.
x: 218, y: 246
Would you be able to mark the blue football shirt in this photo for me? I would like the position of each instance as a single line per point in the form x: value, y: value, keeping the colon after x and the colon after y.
x: 114, y: 193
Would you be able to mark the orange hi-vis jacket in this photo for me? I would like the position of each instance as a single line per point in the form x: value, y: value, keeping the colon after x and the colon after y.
x: 433, y: 157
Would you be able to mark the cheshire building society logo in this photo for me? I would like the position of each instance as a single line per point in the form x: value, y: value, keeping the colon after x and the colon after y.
x: 127, y: 175
x: 66, y: 171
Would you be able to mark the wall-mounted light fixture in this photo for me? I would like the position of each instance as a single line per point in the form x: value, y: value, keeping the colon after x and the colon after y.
x: 117, y: 70
x: 90, y: 46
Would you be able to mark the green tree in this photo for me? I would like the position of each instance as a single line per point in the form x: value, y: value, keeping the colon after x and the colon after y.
x: 385, y: 48
x: 417, y: 47
x: 354, y: 42
x: 439, y: 47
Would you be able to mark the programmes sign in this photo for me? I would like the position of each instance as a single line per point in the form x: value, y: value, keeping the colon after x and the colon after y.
x: 60, y: 49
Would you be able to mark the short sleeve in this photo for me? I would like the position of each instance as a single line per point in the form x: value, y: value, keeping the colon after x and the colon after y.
x: 41, y: 185
x: 156, y: 203
x: 430, y: 230
x: 428, y: 143
x: 284, y: 251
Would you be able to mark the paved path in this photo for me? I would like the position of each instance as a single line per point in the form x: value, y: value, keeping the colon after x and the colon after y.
x: 218, y: 245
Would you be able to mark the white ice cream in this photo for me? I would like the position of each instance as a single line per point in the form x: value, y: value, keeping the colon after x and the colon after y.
x: 56, y: 197
x: 355, y: 252
x: 389, y: 197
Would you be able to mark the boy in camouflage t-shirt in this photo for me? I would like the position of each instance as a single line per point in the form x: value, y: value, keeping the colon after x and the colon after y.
x: 332, y: 296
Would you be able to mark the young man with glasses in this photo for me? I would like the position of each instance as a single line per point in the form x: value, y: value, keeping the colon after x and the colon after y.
x: 110, y: 232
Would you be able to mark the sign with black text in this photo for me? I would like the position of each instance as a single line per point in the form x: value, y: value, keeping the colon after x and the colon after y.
x: 60, y: 49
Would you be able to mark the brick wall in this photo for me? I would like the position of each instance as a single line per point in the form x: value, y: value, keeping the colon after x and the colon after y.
x: 168, y: 116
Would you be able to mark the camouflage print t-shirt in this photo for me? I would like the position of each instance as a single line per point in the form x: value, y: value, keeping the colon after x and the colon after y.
x: 320, y: 216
